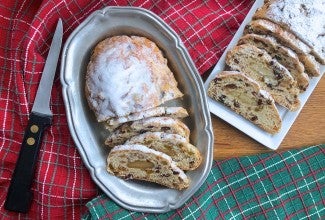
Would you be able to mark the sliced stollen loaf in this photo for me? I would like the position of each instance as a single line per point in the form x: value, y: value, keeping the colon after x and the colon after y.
x: 245, y: 97
x: 269, y: 73
x: 265, y: 27
x: 303, y: 18
x: 282, y: 54
x: 127, y: 75
x: 142, y: 163
x: 186, y: 156
x: 174, y: 112
x: 130, y: 129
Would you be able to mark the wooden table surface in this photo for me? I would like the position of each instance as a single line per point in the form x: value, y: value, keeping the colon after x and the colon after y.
x: 308, y: 129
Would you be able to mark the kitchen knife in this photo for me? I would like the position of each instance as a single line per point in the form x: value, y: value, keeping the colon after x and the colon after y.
x: 19, y: 195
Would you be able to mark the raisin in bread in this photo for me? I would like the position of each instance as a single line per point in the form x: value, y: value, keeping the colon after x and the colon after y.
x: 269, y: 73
x: 245, y: 97
x: 142, y: 163
x: 305, y: 19
x: 130, y: 129
x: 174, y: 112
x: 127, y: 75
x: 186, y: 156
x: 288, y: 39
x: 282, y: 54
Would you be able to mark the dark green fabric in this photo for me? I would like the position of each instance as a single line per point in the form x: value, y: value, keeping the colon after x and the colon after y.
x: 283, y: 185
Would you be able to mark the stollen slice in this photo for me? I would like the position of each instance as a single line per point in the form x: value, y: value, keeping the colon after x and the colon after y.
x: 142, y: 163
x: 244, y: 95
x: 285, y: 56
x: 267, y: 72
x: 171, y: 111
x: 265, y: 27
x: 130, y: 129
x: 186, y: 155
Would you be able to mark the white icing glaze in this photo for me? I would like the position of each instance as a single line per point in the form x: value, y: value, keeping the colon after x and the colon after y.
x: 146, y: 150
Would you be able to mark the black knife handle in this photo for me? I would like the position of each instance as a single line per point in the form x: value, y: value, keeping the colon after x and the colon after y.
x: 19, y: 195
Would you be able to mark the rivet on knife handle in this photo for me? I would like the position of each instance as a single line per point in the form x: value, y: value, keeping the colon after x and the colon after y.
x: 19, y: 194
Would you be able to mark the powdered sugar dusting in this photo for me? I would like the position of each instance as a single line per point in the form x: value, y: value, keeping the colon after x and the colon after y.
x: 304, y: 17
x: 128, y: 76
x: 121, y: 85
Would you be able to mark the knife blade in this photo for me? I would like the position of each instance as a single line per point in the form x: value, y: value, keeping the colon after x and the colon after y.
x: 19, y: 195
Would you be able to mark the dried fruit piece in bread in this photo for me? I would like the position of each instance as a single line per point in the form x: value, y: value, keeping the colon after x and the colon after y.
x: 130, y: 129
x: 282, y: 54
x: 186, y: 156
x: 245, y: 97
x: 142, y: 163
x: 286, y: 38
x: 272, y: 76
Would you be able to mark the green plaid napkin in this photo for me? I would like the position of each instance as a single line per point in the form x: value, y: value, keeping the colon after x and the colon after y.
x: 288, y: 185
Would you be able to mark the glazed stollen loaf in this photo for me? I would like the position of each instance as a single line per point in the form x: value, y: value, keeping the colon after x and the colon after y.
x: 174, y: 112
x: 271, y: 75
x: 126, y: 75
x: 245, y: 97
x: 142, y: 163
x: 130, y: 129
x: 265, y: 27
x: 186, y: 156
x: 282, y: 54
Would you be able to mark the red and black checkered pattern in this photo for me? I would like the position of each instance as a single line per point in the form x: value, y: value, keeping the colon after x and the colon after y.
x: 62, y: 185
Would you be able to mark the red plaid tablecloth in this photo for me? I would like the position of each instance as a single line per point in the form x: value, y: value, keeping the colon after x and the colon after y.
x: 62, y: 184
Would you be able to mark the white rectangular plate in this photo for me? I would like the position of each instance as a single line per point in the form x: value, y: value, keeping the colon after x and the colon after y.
x: 288, y: 118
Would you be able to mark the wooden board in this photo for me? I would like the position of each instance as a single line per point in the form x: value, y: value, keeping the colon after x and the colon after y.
x: 308, y: 129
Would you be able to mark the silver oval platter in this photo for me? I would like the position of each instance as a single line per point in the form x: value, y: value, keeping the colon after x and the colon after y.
x: 89, y: 135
